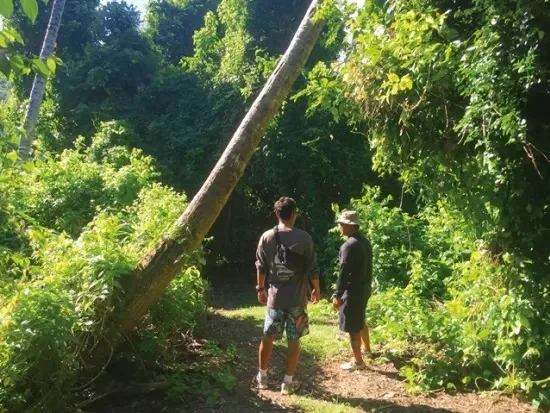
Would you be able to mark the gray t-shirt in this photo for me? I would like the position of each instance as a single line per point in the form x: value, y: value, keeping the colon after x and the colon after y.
x: 295, y: 292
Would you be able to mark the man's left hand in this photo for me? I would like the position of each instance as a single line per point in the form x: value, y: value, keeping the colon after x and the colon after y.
x: 262, y: 297
x: 315, y: 296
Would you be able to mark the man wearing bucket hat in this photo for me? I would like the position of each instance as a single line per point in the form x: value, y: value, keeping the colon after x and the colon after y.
x: 353, y: 288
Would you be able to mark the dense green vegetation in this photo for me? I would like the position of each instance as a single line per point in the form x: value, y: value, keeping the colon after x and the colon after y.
x: 426, y: 116
x: 452, y: 94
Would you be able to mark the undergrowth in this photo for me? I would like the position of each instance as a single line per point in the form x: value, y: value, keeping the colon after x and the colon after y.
x: 463, y: 316
x: 77, y: 223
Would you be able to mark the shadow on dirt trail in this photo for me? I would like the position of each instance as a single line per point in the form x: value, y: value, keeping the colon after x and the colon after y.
x: 244, y: 332
x: 235, y: 324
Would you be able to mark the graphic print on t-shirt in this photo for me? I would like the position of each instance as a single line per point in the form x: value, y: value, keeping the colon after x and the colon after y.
x: 282, y: 273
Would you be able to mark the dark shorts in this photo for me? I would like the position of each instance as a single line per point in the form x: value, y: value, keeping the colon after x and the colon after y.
x: 352, y: 315
x: 276, y: 321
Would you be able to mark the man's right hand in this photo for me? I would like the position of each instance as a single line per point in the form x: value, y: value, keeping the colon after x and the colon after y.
x: 336, y: 303
x: 315, y: 296
x: 262, y: 297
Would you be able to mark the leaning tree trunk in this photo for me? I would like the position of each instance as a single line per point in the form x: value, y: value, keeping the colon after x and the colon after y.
x: 39, y: 84
x: 154, y: 273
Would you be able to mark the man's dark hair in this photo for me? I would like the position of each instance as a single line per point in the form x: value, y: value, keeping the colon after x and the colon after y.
x: 284, y: 207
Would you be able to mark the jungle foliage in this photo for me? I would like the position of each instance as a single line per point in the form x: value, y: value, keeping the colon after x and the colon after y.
x: 452, y: 94
x: 426, y: 116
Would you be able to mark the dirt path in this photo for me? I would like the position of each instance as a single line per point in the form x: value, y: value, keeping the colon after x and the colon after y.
x: 378, y: 389
x: 325, y: 388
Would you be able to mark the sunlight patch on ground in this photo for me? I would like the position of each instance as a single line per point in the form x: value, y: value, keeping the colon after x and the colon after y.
x: 320, y: 406
x: 324, y: 342
x: 256, y: 312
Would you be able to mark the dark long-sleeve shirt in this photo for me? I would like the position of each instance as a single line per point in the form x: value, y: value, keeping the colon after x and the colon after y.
x: 355, y: 270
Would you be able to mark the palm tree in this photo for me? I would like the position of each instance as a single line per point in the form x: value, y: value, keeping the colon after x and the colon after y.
x: 39, y: 84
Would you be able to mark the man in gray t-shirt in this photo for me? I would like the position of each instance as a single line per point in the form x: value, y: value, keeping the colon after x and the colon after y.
x: 287, y: 265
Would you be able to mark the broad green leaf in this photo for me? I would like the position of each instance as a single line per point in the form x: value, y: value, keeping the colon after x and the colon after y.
x: 448, y: 53
x: 3, y: 40
x: 51, y: 64
x: 4, y: 178
x: 12, y: 156
x: 30, y: 8
x: 29, y: 166
x: 39, y: 66
x: 524, y: 321
x: 5, y: 67
x: 15, y: 35
x: 15, y: 140
x: 484, y: 333
x: 451, y: 386
x: 6, y: 8
x: 373, y: 53
x: 17, y: 64
x: 392, y: 77
x: 405, y: 83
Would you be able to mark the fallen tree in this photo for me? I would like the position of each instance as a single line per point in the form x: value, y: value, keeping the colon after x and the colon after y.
x: 153, y: 274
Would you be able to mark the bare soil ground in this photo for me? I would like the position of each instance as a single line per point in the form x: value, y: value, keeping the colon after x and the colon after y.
x: 325, y: 387
x: 377, y: 389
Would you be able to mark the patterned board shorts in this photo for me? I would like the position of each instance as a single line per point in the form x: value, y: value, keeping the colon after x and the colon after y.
x: 276, y: 320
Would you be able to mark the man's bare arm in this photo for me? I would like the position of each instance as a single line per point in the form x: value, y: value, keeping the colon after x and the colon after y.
x: 316, y: 293
x: 260, y: 283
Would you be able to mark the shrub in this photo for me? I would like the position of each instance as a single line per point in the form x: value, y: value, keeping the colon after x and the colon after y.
x: 61, y: 285
x: 64, y: 192
x: 398, y: 241
x: 463, y: 314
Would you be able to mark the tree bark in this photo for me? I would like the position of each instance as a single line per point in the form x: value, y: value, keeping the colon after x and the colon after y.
x: 154, y: 273
x: 39, y: 84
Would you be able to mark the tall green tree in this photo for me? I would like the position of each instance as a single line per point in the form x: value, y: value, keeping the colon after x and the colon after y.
x: 13, y: 64
x: 172, y: 23
x: 76, y: 31
x: 451, y: 94
x: 272, y: 22
x: 39, y: 85
x: 103, y: 82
